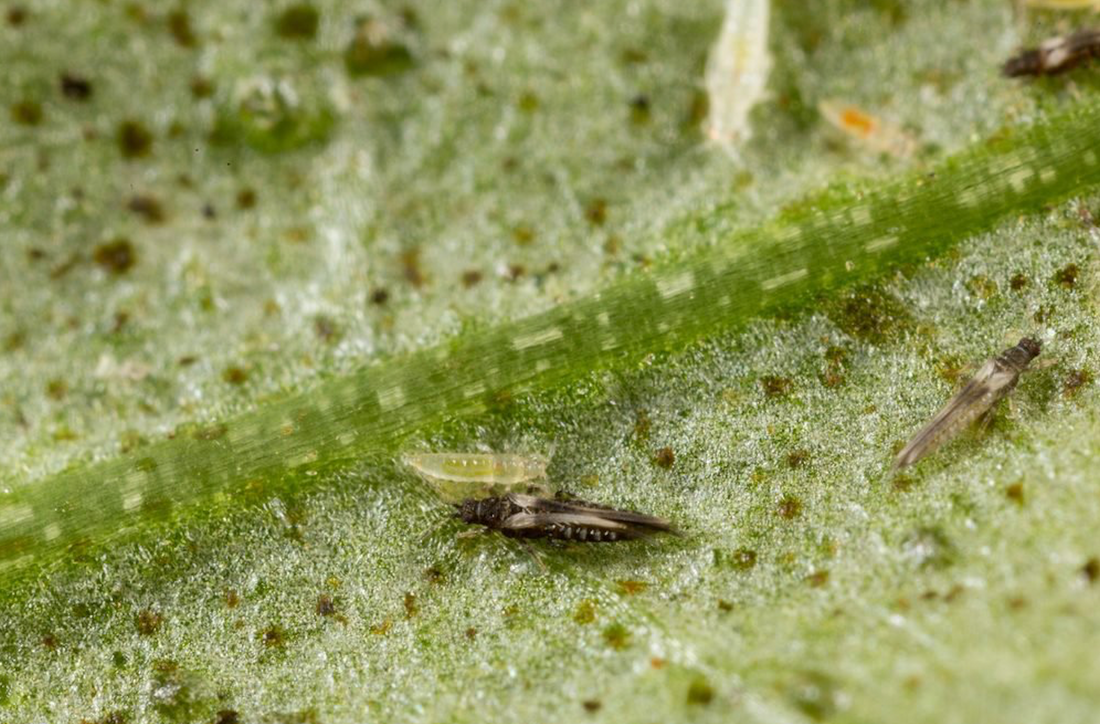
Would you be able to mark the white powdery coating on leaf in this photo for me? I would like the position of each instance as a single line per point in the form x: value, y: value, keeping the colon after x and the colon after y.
x: 737, y: 72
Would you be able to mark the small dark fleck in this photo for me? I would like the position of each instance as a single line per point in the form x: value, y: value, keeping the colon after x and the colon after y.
x: 817, y: 579
x: 776, y: 387
x: 1018, y: 281
x: 1091, y: 569
x: 149, y: 622
x: 1015, y: 492
x: 410, y: 263
x: 596, y: 212
x: 379, y: 297
x: 700, y: 692
x: 27, y: 112
x: 209, y: 212
x: 298, y: 22
x: 1066, y: 277
x: 633, y: 55
x: 246, y: 198
x: 201, y: 87
x: 528, y: 102
x: 134, y: 140
x: 471, y: 633
x: 374, y: 52
x: 724, y: 606
x: 179, y: 24
x: 50, y: 641
x: 789, y: 507
x: 434, y: 576
x: 118, y: 659
x: 17, y: 15
x: 514, y: 272
x: 187, y: 360
x: 642, y: 425
x: 630, y: 588
x: 471, y: 278
x: 227, y: 716
x: 664, y: 458
x: 325, y: 605
x: 523, y: 235
x: 639, y: 110
x: 1075, y: 381
x: 232, y: 598
x: 115, y: 256
x: 903, y: 483
x: 591, y: 705
x: 273, y: 637
x: 411, y: 606
x: 797, y: 458
x: 57, y: 389
x: 149, y: 207
x: 617, y: 636
x: 325, y: 329
x: 870, y: 314
x: 75, y: 87
x: 1017, y: 602
x: 235, y: 375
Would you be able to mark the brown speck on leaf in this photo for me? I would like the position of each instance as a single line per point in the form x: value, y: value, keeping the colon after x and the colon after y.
x: 591, y: 705
x: 273, y: 637
x: 617, y: 636
x: 903, y: 483
x: 149, y: 622
x: 789, y: 507
x: 235, y: 375
x: 17, y: 15
x: 1091, y: 569
x: 179, y: 24
x: 325, y: 329
x: 471, y: 633
x: 776, y: 387
x: 700, y: 692
x: 528, y: 102
x: 374, y: 51
x: 246, y: 198
x: 148, y: 207
x: 642, y: 425
x: 27, y: 112
x: 410, y: 264
x: 664, y: 458
x: 411, y: 606
x: 201, y: 87
x: 596, y: 212
x: 741, y: 559
x: 724, y: 606
x: 630, y: 588
x: 227, y: 716
x: 434, y: 576
x: 115, y: 256
x: 209, y: 212
x: 134, y: 140
x: 1018, y: 281
x: 57, y: 389
x: 471, y: 278
x: 817, y: 579
x: 1015, y: 492
x: 1066, y: 277
x: 325, y: 605
x: 639, y: 110
x: 232, y: 598
x: 379, y: 297
x: 1075, y: 381
x: 515, y: 272
x: 298, y: 22
x: 523, y: 235
x: 75, y: 87
x: 797, y: 458
x: 50, y: 641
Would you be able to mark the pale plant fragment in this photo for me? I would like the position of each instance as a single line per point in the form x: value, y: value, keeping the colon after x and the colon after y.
x: 459, y: 475
x: 737, y: 72
x: 867, y: 130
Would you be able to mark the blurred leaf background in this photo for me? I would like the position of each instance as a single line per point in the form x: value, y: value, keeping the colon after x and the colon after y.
x: 208, y: 209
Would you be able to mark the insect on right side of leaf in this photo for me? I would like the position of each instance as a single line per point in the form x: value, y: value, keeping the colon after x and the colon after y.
x: 527, y: 516
x: 1055, y: 55
x: 996, y: 378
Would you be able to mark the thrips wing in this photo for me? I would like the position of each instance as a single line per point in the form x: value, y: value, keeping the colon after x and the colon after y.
x: 521, y: 521
x: 565, y: 507
x: 977, y: 396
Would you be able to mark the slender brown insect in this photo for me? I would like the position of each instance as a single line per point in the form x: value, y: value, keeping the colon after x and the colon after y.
x: 996, y: 378
x: 1055, y: 55
x: 527, y: 516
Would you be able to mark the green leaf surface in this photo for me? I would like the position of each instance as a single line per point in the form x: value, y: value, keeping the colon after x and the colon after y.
x: 253, y: 252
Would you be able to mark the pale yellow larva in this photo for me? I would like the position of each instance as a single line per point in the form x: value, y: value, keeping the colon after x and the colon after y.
x: 737, y: 72
x: 462, y: 467
x: 867, y: 130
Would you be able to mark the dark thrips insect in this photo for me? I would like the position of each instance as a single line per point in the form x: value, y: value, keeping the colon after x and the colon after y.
x: 528, y: 516
x: 1055, y: 55
x: 996, y: 378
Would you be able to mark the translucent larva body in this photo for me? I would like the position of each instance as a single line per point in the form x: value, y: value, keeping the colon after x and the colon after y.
x: 737, y: 72
x: 996, y: 378
x: 866, y: 129
x: 493, y: 468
